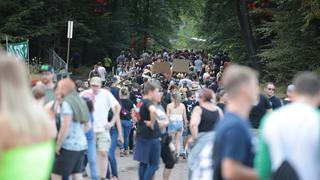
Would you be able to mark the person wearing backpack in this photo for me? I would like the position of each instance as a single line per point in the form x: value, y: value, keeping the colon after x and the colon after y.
x: 290, y: 137
x: 71, y: 142
x: 127, y: 107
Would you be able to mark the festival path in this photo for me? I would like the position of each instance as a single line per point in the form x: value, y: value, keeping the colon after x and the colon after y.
x: 128, y: 169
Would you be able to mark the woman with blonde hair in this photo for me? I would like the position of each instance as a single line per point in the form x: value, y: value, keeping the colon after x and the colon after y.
x: 176, y: 112
x: 26, y: 128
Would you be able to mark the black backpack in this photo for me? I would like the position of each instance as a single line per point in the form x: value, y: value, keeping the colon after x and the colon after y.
x: 285, y: 172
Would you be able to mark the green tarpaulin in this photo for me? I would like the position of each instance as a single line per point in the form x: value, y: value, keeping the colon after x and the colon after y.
x: 20, y: 50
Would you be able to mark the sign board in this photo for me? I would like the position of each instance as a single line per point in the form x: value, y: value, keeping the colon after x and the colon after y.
x: 21, y: 50
x: 180, y: 65
x: 70, y: 29
x: 161, y: 67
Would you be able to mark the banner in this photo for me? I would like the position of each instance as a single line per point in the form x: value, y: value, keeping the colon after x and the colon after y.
x: 21, y: 50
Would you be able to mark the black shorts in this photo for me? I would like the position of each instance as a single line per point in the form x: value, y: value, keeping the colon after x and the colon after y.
x: 68, y: 162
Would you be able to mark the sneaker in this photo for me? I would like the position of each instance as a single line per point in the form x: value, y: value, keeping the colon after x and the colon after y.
x: 84, y: 174
x: 122, y: 154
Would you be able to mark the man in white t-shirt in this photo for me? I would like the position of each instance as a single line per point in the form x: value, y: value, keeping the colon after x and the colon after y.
x: 102, y: 73
x: 291, y: 134
x: 103, y: 102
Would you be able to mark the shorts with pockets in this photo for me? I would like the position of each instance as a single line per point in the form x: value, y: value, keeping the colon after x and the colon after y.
x: 103, y: 141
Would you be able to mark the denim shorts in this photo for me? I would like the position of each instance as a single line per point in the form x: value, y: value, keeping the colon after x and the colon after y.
x: 175, y: 126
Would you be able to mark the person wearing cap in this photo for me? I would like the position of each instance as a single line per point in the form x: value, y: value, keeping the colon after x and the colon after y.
x: 290, y: 92
x: 113, y: 87
x: 47, y: 75
x: 104, y: 101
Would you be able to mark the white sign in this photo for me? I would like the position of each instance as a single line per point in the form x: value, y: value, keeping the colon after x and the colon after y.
x: 70, y: 29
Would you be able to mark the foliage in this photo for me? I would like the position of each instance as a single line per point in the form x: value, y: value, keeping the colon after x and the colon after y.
x: 220, y: 27
x: 101, y: 27
x: 296, y: 42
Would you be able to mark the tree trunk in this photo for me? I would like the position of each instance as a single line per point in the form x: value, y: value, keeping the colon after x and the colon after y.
x: 246, y: 32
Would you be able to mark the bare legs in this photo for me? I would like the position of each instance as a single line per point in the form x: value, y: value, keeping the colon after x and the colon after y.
x: 177, y: 136
x: 102, y: 162
x: 77, y: 176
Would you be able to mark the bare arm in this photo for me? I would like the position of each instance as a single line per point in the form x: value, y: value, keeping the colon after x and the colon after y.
x: 168, y: 110
x: 116, y: 114
x: 185, y: 116
x: 64, y: 129
x: 234, y: 170
x: 195, y: 121
x: 163, y: 123
x: 133, y: 115
x: 153, y: 114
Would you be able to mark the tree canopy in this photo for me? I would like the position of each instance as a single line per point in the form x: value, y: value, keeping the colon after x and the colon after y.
x: 277, y: 37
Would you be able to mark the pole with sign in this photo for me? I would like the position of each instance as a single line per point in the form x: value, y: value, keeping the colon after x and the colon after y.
x: 69, y: 36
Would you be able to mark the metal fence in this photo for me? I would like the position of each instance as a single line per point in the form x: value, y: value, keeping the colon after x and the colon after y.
x: 59, y: 65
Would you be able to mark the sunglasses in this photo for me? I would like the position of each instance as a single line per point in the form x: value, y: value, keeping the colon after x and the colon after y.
x: 271, y: 89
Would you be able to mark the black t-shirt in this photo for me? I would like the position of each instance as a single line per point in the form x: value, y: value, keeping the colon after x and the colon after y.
x: 126, y: 106
x: 259, y: 111
x: 134, y: 96
x: 275, y: 102
x: 140, y: 79
x: 115, y: 92
x: 143, y: 131
x: 189, y: 104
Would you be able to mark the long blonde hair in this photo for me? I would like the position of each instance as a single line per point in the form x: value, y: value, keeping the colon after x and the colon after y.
x: 25, y: 117
x: 176, y: 97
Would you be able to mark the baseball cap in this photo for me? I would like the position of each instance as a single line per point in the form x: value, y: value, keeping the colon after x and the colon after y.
x: 115, y: 79
x: 46, y: 68
x: 95, y: 81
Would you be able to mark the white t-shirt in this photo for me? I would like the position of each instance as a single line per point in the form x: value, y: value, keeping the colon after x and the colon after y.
x: 293, y: 132
x: 102, y: 72
x: 104, y: 101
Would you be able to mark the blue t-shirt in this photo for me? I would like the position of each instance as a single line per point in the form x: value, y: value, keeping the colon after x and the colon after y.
x: 90, y: 133
x: 233, y: 140
x: 75, y: 139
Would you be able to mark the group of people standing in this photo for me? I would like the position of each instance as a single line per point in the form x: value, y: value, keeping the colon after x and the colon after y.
x: 214, y: 116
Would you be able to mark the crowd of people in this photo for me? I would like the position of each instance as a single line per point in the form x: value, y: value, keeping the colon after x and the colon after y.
x: 215, y: 116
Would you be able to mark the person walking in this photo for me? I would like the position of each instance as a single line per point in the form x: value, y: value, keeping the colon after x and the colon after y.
x: 91, y: 154
x: 176, y: 111
x: 166, y: 154
x: 290, y: 136
x: 102, y: 73
x: 203, y: 119
x: 94, y: 72
x: 148, y: 147
x: 104, y: 102
x: 127, y: 107
x: 233, y: 148
x: 26, y: 128
x: 71, y: 142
